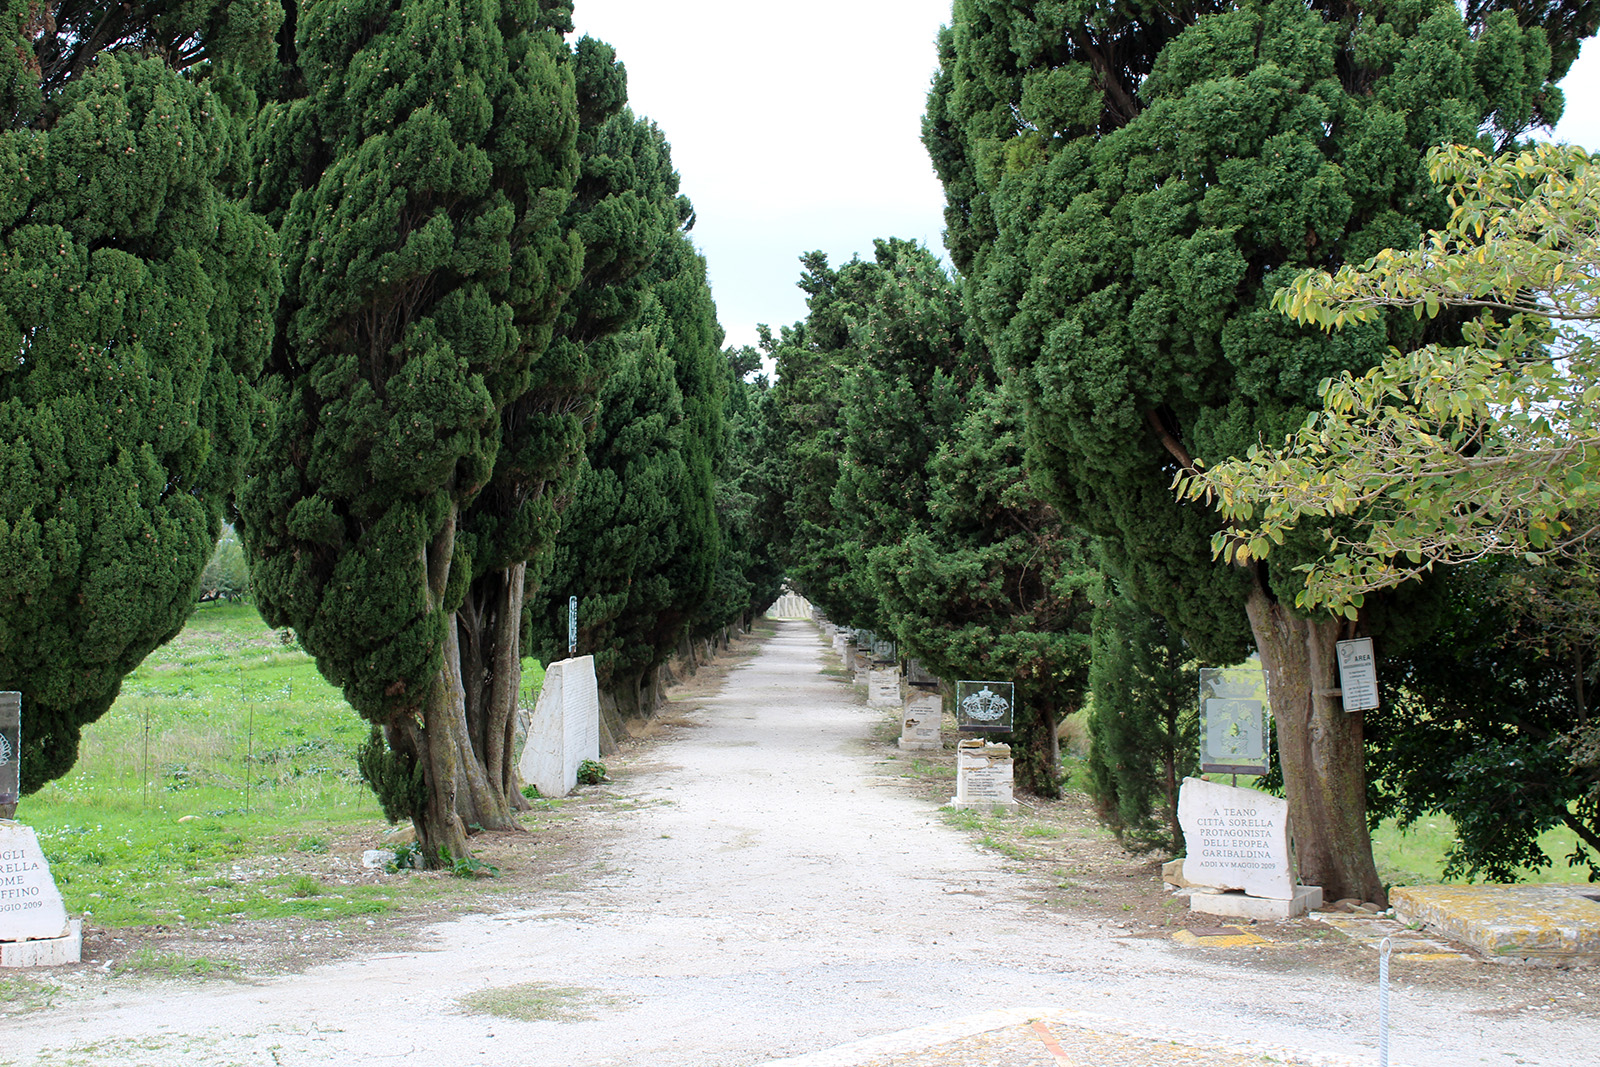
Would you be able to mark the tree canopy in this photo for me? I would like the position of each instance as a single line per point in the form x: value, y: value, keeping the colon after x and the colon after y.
x: 1456, y: 450
x: 1127, y: 186
x: 136, y: 305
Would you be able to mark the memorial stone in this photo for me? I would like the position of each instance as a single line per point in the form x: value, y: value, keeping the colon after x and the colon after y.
x: 565, y: 727
x: 883, y: 687
x: 921, y: 719
x: 1236, y: 838
x: 984, y: 772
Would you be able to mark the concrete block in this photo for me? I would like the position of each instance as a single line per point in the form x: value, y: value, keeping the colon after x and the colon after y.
x: 46, y: 951
x: 1237, y: 905
x: 1507, y: 920
x: 565, y: 728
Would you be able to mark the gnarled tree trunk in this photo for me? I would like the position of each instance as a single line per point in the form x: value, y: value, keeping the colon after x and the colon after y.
x: 1320, y: 750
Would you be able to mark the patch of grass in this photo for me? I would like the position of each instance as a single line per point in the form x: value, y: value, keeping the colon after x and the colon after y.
x: 175, y: 965
x: 305, y: 886
x: 1416, y: 855
x: 536, y: 1002
x: 1007, y: 848
x: 922, y: 768
x: 20, y: 994
x: 962, y: 818
x: 313, y: 843
x: 1040, y: 830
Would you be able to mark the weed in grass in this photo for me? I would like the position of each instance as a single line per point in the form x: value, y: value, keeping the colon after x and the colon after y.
x: 21, y: 994
x: 924, y: 769
x: 467, y: 866
x: 591, y: 772
x: 1036, y: 830
x: 1006, y: 848
x: 537, y: 1002
x: 962, y: 818
x: 174, y: 965
x: 314, y: 843
x: 305, y: 886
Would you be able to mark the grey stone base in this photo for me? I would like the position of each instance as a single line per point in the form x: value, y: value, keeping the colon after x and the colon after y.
x: 45, y: 952
x: 1237, y: 905
x: 921, y: 746
x: 980, y: 802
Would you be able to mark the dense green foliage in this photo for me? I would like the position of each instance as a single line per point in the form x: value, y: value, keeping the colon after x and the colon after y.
x: 1144, y: 725
x: 992, y: 585
x: 418, y: 162
x: 136, y: 304
x: 1484, y: 724
x: 928, y: 530
x: 1127, y: 186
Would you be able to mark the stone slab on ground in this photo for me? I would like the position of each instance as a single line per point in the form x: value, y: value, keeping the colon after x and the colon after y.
x: 1507, y: 920
x: 46, y: 952
x: 883, y: 687
x: 565, y: 728
x: 1370, y: 931
x: 920, y: 721
x: 1237, y: 905
x: 984, y: 775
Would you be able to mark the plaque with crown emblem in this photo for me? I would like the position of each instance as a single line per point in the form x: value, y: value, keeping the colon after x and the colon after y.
x: 985, y: 706
x: 10, y: 753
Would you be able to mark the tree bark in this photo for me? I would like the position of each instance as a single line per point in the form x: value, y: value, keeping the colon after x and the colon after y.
x: 1320, y: 749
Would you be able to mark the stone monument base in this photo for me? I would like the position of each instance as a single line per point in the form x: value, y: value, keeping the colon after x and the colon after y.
x: 983, y: 775
x: 1238, y: 905
x: 46, y: 951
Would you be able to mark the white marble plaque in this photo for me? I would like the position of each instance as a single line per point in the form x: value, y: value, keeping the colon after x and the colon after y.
x: 920, y: 721
x: 1236, y: 839
x: 565, y: 727
x: 30, y: 904
x: 883, y: 687
x: 984, y: 775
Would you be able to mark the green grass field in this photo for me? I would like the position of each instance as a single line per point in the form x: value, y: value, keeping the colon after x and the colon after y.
x: 226, y: 746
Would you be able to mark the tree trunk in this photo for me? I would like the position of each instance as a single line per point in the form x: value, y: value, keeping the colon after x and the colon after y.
x: 1320, y: 749
x: 461, y: 793
x: 1035, y: 748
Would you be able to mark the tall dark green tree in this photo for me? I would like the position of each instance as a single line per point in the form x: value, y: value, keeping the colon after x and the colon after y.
x: 418, y: 162
x: 624, y: 209
x: 993, y: 585
x: 1127, y: 186
x: 640, y: 542
x: 1144, y: 726
x: 136, y: 305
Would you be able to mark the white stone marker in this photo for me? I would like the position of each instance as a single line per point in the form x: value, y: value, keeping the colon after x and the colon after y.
x: 1237, y: 839
x: 883, y: 687
x: 983, y: 775
x: 920, y: 721
x: 34, y: 930
x: 565, y: 728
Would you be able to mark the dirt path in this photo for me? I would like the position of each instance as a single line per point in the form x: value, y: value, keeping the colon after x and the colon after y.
x: 772, y: 895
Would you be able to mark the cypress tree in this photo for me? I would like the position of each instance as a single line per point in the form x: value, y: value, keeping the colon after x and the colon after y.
x: 993, y: 585
x: 1127, y: 186
x: 418, y: 162
x: 1144, y: 726
x: 136, y: 303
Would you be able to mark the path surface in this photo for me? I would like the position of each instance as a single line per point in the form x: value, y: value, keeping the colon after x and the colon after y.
x: 771, y: 898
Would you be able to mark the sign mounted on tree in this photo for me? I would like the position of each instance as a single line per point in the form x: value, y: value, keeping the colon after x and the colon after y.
x: 983, y: 706
x: 1233, y: 720
x: 1358, y: 674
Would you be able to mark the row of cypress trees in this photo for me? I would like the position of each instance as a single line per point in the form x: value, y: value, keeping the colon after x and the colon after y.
x: 404, y: 289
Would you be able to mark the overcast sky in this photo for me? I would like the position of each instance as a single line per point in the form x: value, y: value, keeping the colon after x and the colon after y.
x: 797, y: 126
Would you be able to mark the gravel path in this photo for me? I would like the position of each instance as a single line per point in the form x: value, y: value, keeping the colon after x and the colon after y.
x: 772, y: 898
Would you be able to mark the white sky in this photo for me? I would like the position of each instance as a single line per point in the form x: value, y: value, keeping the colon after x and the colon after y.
x: 797, y: 126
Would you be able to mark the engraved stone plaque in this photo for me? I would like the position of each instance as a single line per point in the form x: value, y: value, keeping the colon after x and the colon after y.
x: 1236, y: 839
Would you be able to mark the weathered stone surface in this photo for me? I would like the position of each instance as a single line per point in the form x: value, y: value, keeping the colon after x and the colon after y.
x: 984, y: 774
x: 920, y: 721
x: 45, y: 952
x: 1237, y: 839
x: 883, y: 687
x: 1172, y: 873
x: 1507, y: 920
x: 565, y: 728
x: 30, y: 904
x: 1237, y: 905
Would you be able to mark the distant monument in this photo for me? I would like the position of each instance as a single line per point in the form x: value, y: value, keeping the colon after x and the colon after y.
x: 565, y: 728
x: 34, y: 928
